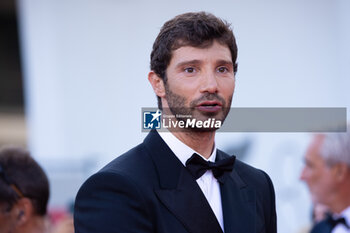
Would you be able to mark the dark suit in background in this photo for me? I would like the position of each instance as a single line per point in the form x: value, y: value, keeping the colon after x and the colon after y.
x: 148, y: 189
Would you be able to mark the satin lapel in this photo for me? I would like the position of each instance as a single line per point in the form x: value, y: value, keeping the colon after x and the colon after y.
x: 238, y: 203
x: 178, y: 191
x: 190, y: 206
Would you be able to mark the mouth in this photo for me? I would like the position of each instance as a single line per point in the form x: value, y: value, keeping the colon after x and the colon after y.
x: 209, y: 106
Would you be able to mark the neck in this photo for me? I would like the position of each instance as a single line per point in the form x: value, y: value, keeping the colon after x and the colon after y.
x: 202, y: 142
x: 342, y: 199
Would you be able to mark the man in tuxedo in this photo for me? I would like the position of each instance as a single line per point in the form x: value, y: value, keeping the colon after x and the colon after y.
x: 178, y: 181
x: 327, y: 174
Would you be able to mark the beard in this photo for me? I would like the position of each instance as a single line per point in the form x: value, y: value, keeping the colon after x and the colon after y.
x: 177, y: 106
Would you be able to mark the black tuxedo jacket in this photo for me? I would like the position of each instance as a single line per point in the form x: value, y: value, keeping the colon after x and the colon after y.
x: 322, y: 227
x: 148, y: 189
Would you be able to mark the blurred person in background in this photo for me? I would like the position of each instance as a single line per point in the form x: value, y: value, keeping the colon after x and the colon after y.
x: 327, y: 175
x: 24, y: 194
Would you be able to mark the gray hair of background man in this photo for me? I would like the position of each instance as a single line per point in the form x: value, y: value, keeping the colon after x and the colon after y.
x: 336, y: 148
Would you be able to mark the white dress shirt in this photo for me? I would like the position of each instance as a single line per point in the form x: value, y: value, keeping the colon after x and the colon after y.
x: 207, y: 182
x: 340, y: 228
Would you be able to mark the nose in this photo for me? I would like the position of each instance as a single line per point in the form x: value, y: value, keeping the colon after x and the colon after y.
x: 303, y: 174
x: 209, y: 83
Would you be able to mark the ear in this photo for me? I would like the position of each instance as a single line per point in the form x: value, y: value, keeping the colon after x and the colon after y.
x: 157, y: 84
x: 342, y: 171
x: 23, y: 210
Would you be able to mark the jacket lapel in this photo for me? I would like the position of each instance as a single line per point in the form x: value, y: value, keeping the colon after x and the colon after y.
x: 238, y: 203
x: 179, y: 191
x: 190, y: 206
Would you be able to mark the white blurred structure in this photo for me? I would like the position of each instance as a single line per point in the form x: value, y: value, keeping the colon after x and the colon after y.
x: 86, y: 65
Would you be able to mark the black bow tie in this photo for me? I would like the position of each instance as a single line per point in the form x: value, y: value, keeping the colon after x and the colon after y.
x: 336, y: 221
x: 198, y: 166
x: 327, y: 225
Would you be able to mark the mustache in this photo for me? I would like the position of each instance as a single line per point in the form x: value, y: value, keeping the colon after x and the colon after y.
x: 208, y: 97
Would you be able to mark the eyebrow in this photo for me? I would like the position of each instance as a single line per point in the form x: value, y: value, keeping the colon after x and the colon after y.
x: 190, y: 62
x: 198, y: 62
x: 225, y: 62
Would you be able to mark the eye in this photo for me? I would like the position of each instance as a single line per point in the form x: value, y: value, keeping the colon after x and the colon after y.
x: 189, y: 70
x: 309, y: 164
x: 223, y: 69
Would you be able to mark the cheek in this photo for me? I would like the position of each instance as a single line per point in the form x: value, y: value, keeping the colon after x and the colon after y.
x: 183, y: 89
x: 4, y: 223
x: 322, y: 186
x: 228, y: 86
x: 311, y: 177
x: 327, y: 183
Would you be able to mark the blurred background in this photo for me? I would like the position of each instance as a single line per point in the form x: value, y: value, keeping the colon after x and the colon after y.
x: 73, y: 80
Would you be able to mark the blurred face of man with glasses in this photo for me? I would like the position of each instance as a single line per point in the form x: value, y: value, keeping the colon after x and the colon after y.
x: 24, y: 193
x: 327, y: 170
x: 7, y: 219
x: 11, y: 200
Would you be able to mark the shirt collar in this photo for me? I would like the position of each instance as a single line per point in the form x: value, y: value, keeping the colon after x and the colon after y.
x: 181, y: 150
x: 346, y: 214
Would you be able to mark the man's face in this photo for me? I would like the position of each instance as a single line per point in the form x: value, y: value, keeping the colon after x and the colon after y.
x: 200, y: 82
x: 318, y: 175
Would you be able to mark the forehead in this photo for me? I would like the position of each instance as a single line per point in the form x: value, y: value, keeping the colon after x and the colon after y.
x: 313, y: 151
x: 214, y: 51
